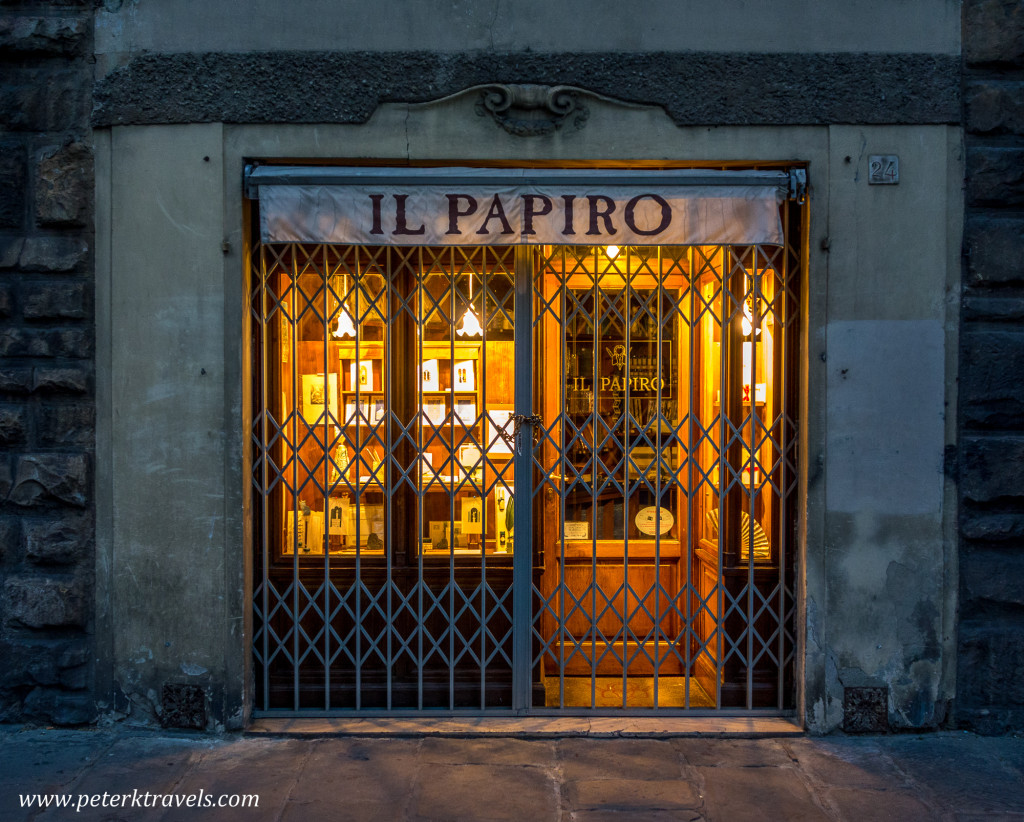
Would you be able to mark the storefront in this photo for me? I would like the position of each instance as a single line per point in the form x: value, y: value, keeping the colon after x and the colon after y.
x: 524, y: 439
x: 423, y: 415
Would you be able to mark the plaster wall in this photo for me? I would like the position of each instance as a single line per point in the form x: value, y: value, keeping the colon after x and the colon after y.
x: 161, y: 433
x: 876, y: 372
x: 923, y: 26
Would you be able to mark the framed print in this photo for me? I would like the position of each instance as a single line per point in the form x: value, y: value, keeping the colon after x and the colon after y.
x: 427, y: 466
x: 503, y: 518
x: 439, y: 534
x: 434, y: 411
x: 310, y: 529
x: 465, y: 412
x: 337, y: 514
x: 361, y: 375
x: 430, y: 377
x: 316, y: 398
x: 363, y: 409
x: 472, y: 515
x: 470, y: 461
x: 464, y: 376
x: 499, y: 420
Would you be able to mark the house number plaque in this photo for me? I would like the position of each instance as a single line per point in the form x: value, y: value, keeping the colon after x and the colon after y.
x: 883, y: 169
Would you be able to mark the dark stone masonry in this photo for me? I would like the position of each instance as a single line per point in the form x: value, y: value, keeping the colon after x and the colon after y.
x: 47, y: 409
x: 990, y: 681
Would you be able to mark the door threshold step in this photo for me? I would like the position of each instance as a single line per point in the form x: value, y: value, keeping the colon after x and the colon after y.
x: 528, y: 727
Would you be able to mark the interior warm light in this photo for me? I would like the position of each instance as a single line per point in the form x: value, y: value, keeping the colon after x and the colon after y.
x: 346, y: 326
x: 612, y: 251
x: 470, y: 323
x: 748, y: 322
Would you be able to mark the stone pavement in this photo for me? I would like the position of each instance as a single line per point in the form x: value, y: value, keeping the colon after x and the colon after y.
x: 943, y: 776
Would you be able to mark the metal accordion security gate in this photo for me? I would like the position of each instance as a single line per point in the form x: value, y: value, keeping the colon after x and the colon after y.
x: 524, y: 441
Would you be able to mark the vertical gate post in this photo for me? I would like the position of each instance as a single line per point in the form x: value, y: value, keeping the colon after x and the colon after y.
x: 522, y: 555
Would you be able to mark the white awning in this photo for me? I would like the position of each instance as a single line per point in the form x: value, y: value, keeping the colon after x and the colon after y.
x: 488, y: 206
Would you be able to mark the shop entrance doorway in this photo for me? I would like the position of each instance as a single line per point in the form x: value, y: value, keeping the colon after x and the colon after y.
x: 522, y: 476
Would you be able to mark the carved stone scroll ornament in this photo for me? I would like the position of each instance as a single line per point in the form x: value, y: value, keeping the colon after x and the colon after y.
x: 528, y: 110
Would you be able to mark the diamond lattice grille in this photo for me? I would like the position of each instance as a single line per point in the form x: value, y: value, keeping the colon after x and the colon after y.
x: 631, y: 410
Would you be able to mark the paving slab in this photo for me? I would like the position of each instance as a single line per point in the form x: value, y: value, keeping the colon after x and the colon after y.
x: 879, y: 806
x: 130, y: 769
x: 622, y: 758
x: 240, y: 766
x: 44, y: 762
x: 356, y: 771
x: 484, y: 793
x: 638, y: 816
x: 845, y: 762
x: 963, y: 771
x: 758, y: 793
x: 631, y: 794
x: 488, y: 751
x: 735, y: 753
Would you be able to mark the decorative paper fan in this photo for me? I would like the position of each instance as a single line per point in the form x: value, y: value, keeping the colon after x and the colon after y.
x: 762, y: 550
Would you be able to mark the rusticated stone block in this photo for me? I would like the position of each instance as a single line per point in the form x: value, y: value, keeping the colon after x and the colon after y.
x: 34, y: 602
x: 990, y: 467
x: 995, y: 250
x: 42, y: 35
x: 41, y: 99
x: 16, y: 380
x: 6, y: 476
x: 49, y: 477
x: 991, y: 387
x: 62, y: 541
x: 70, y: 380
x: 55, y: 300
x: 985, y: 307
x: 60, y: 707
x: 64, y: 185
x: 10, y: 538
x: 53, y: 253
x: 27, y: 664
x: 46, y: 342
x: 40, y: 661
x: 991, y: 662
x: 6, y: 301
x: 10, y: 251
x: 995, y: 176
x: 68, y: 424
x: 13, y: 424
x: 994, y: 107
x: 992, y: 576
x: 993, y: 31
x: 985, y: 526
x: 12, y: 184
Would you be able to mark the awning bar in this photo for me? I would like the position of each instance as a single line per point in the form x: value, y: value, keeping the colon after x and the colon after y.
x: 271, y: 175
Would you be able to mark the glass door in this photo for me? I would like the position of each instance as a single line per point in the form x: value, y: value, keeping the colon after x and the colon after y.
x: 663, y: 478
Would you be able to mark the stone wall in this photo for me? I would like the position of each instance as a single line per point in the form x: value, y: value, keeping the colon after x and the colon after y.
x: 46, y: 362
x: 990, y: 682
